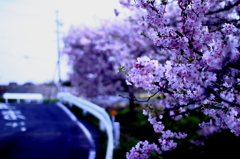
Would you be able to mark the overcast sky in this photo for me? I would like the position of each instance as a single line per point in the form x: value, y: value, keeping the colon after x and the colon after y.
x: 28, y: 45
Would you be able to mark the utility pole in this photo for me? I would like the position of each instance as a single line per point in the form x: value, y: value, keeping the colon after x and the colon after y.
x: 58, y: 24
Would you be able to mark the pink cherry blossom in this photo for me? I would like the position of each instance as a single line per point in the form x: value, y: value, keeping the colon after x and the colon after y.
x: 201, y: 39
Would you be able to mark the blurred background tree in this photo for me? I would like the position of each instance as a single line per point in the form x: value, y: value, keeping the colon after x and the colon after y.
x: 98, y: 55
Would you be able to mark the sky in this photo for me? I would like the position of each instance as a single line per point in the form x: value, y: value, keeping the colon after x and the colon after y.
x: 28, y: 36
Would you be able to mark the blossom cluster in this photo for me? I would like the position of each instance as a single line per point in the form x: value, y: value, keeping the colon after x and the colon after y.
x: 165, y: 143
x: 142, y: 150
x: 203, y: 68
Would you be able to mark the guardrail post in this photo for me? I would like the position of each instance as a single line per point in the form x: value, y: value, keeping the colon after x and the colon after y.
x: 84, y: 113
x: 28, y: 97
x: 101, y: 126
x: 70, y: 104
x: 116, y: 134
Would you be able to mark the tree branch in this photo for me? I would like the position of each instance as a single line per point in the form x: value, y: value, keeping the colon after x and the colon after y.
x: 225, y: 8
x: 234, y: 65
x: 210, y: 90
x: 137, y: 100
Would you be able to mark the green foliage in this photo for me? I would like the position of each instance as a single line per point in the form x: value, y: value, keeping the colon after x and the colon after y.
x: 134, y: 127
x: 238, y: 87
x: 50, y: 100
x: 2, y: 100
x: 123, y: 70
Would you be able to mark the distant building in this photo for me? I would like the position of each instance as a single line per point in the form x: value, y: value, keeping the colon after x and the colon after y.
x: 28, y: 84
x: 3, y: 89
x: 12, y: 84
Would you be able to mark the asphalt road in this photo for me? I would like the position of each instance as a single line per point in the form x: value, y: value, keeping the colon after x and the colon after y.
x: 40, y: 131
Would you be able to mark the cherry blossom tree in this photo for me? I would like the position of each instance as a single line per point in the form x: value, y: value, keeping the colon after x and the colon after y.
x: 97, y: 53
x: 203, y: 72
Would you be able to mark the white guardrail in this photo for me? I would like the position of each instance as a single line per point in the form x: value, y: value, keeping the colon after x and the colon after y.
x: 27, y: 97
x: 98, y: 112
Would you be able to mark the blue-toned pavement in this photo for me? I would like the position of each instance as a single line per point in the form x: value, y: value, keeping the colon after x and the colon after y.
x: 40, y: 131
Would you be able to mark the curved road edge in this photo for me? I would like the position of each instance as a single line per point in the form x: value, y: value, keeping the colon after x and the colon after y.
x: 92, y: 152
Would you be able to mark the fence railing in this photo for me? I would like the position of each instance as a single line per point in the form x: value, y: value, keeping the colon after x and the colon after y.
x: 28, y: 97
x: 98, y: 112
